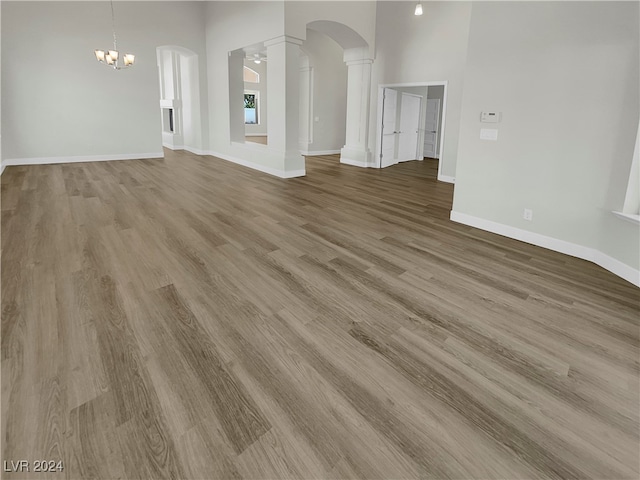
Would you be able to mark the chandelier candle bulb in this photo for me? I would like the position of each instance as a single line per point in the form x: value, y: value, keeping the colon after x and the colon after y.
x: 100, y: 55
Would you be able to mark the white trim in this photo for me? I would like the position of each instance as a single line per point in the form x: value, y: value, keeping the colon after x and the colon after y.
x: 446, y: 178
x: 259, y: 167
x: 254, y: 134
x: 2, y: 166
x: 194, y: 150
x: 628, y: 217
x: 311, y: 153
x: 81, y: 159
x: 616, y: 267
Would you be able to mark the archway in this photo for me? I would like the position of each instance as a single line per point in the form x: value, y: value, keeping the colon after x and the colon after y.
x: 178, y: 74
x: 358, y: 60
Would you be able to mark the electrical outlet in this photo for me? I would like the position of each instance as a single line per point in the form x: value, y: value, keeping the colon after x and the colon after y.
x: 527, y: 214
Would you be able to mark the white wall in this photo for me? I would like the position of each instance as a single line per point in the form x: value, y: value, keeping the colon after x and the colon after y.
x: 360, y: 16
x: 231, y: 26
x: 565, y: 76
x: 58, y: 101
x: 329, y: 103
x: 428, y: 48
x: 261, y: 88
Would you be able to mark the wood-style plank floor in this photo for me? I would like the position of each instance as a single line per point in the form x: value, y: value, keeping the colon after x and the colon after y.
x: 189, y: 318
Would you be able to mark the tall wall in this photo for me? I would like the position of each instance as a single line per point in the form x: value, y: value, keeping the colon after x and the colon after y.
x: 427, y: 48
x: 59, y: 102
x: 565, y: 76
x: 360, y: 16
x: 231, y: 26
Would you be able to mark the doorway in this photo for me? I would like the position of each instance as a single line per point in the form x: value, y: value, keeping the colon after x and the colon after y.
x: 398, y: 138
x: 179, y: 77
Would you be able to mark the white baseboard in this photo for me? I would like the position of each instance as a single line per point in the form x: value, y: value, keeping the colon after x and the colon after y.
x: 616, y: 267
x: 446, y: 178
x: 173, y: 146
x: 2, y: 166
x: 261, y: 168
x: 194, y: 150
x: 311, y: 153
x: 80, y: 159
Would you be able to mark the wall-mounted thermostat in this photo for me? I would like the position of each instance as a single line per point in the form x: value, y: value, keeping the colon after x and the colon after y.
x: 489, y: 117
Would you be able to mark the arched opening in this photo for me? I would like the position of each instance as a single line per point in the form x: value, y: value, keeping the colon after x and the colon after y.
x: 356, y: 56
x: 323, y: 95
x: 178, y: 74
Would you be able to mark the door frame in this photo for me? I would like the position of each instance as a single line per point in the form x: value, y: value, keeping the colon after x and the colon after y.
x: 381, y: 87
x: 438, y: 129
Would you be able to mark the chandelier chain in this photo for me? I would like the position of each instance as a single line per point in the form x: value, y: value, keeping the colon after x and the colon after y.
x: 113, y: 26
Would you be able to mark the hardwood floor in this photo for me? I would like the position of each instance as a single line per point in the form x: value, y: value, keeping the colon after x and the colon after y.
x: 190, y: 318
x: 262, y: 139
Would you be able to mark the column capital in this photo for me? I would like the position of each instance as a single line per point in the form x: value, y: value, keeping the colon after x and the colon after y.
x: 357, y: 56
x: 360, y: 61
x: 283, y: 39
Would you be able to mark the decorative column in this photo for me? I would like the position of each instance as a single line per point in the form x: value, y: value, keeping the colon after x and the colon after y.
x: 283, y: 96
x: 356, y: 150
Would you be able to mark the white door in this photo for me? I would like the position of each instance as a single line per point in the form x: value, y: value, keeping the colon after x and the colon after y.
x: 389, y: 134
x: 409, y: 127
x: 431, y: 127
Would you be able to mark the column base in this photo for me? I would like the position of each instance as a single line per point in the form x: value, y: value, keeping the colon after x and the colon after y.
x: 358, y: 157
x: 294, y: 165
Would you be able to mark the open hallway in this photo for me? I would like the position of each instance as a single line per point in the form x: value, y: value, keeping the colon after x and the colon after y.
x: 190, y: 318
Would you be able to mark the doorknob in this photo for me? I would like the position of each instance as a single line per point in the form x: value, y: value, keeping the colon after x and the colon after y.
x: 433, y: 131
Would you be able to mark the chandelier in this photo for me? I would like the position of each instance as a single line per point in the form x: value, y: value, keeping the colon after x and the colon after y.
x: 111, y: 58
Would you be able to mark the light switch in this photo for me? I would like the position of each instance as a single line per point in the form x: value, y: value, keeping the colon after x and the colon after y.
x: 489, y: 134
x: 317, y: 119
x: 489, y: 117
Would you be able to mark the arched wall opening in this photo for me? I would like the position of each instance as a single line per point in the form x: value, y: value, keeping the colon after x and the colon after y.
x: 179, y: 78
x: 356, y: 55
x: 323, y: 95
